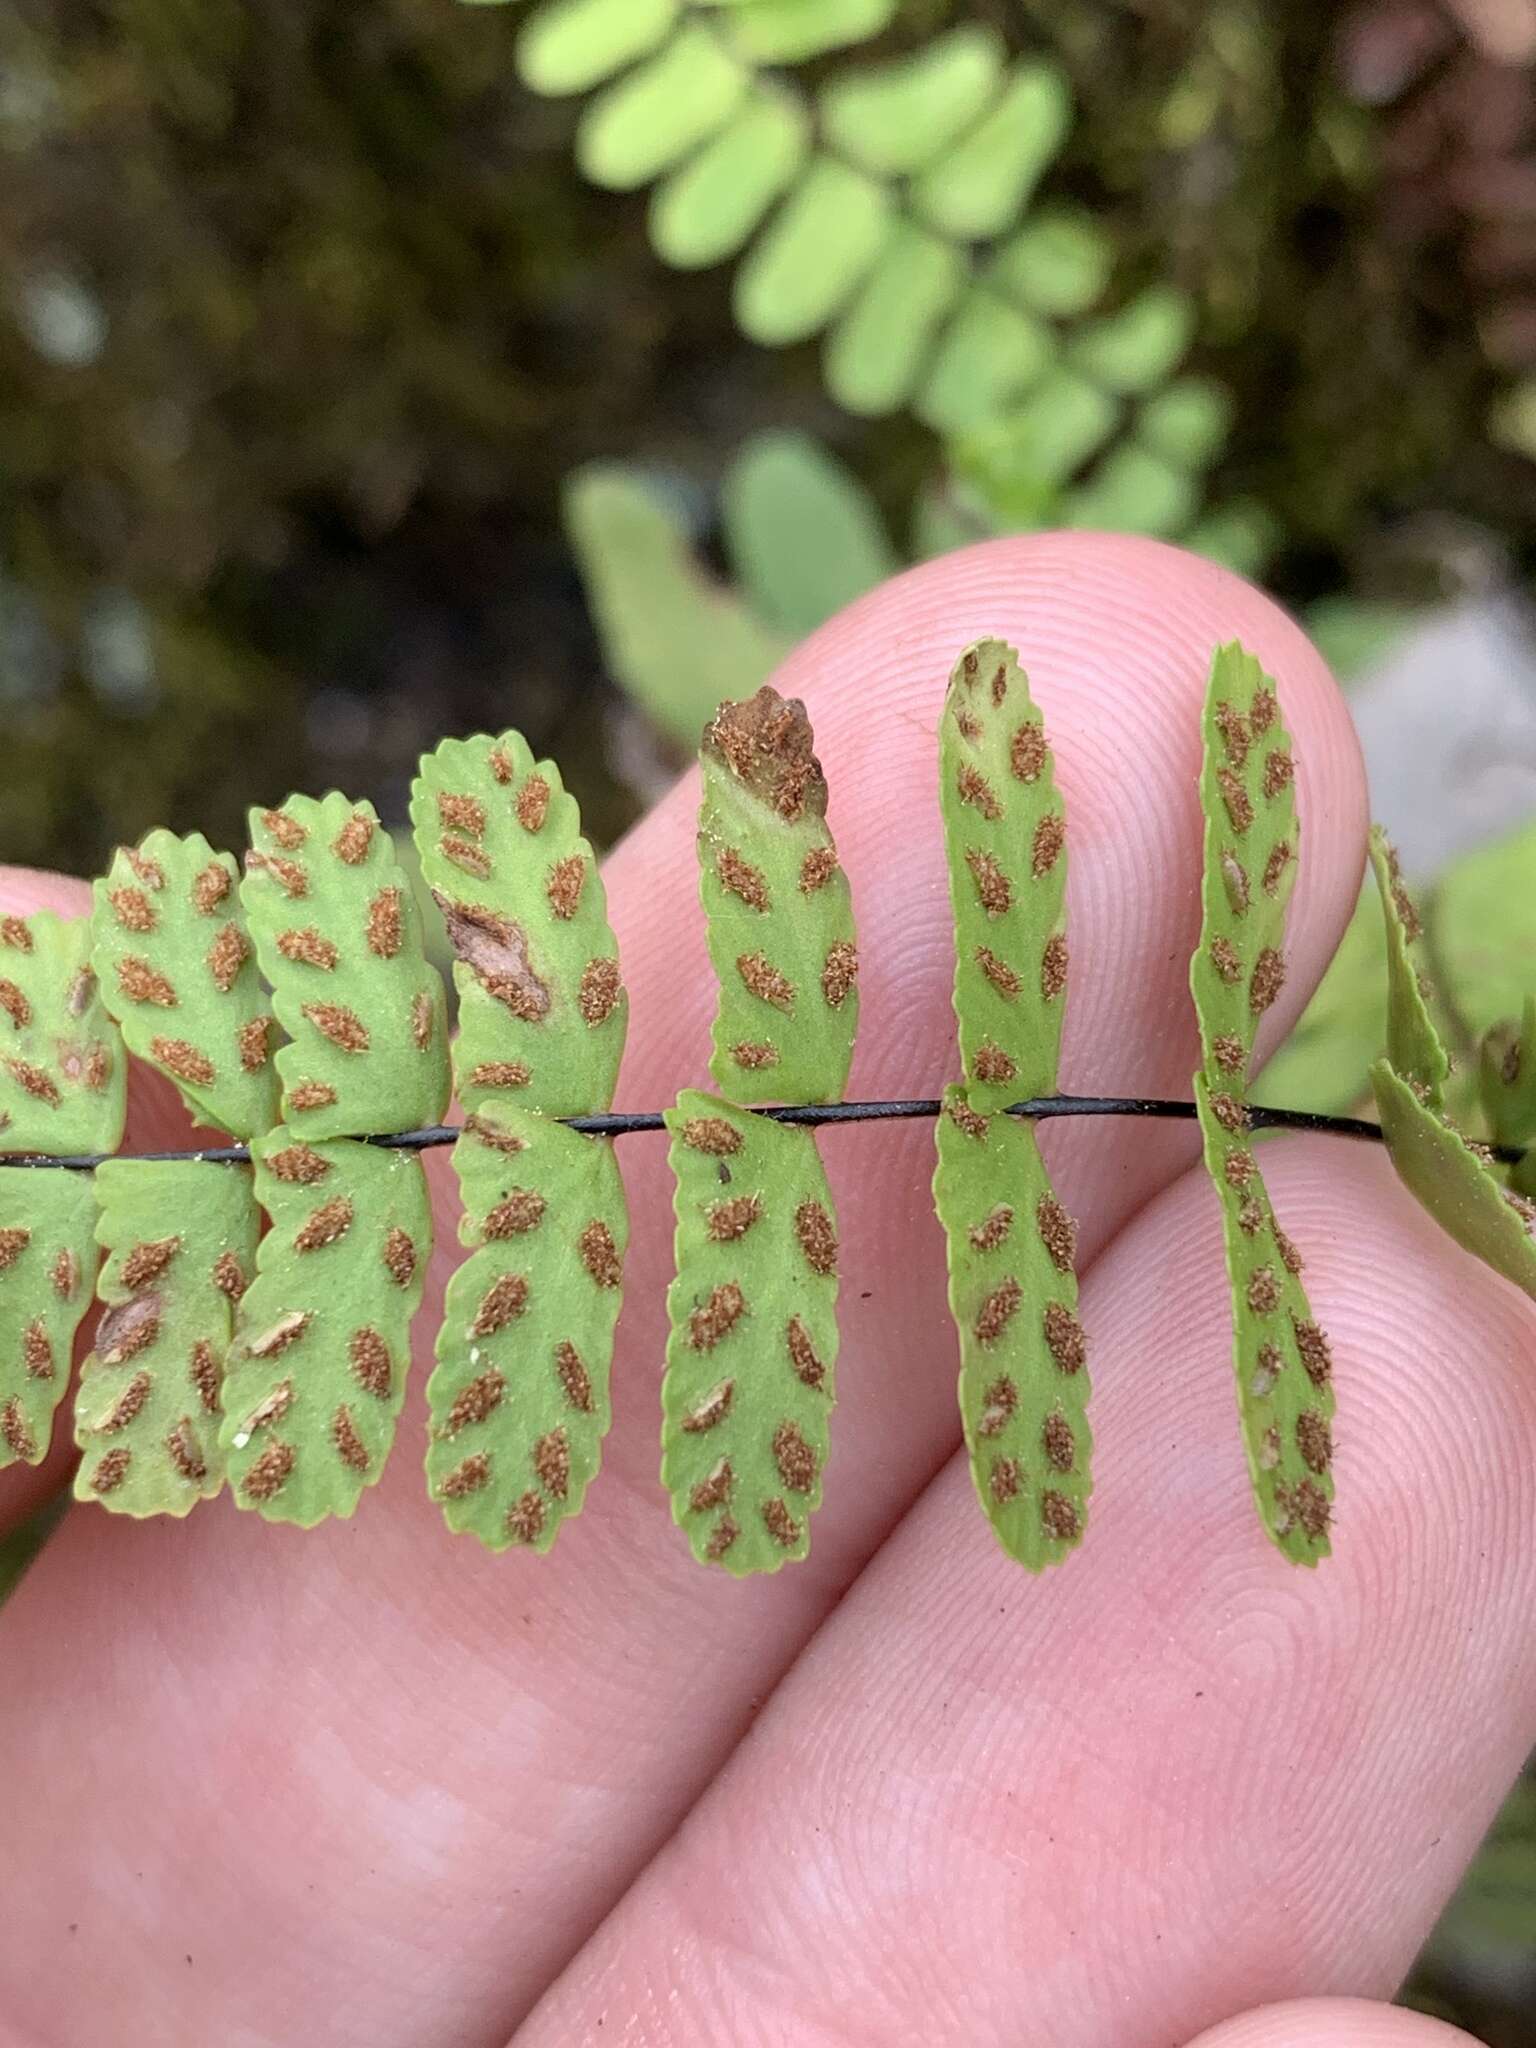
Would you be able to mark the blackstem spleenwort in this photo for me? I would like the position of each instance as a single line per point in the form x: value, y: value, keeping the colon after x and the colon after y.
x: 294, y: 1009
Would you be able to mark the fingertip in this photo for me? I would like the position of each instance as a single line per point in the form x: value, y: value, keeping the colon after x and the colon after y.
x: 1333, y: 2023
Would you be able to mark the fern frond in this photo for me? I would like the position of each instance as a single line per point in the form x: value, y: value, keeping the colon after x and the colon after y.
x: 1281, y: 1356
x: 749, y: 1380
x: 178, y: 972
x: 1508, y: 1080
x: 338, y: 936
x: 63, y: 1078
x: 47, y: 1260
x: 779, y: 915
x: 542, y: 1009
x: 181, y: 1242
x: 1013, y: 1295
x: 519, y: 1399
x: 316, y: 1372
x: 1006, y: 840
x: 1414, y: 1050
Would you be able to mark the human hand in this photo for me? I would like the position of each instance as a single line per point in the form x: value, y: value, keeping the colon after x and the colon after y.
x: 371, y: 1785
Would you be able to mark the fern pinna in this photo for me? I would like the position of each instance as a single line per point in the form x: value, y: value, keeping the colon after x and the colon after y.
x: 295, y: 1012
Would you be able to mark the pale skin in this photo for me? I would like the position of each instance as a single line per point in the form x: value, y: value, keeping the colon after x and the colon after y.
x: 372, y: 1786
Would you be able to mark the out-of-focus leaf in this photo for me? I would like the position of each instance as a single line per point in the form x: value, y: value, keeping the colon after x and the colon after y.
x: 1187, y: 424
x: 519, y: 1398
x: 1241, y: 535
x: 990, y: 352
x: 572, y: 45
x: 1057, y: 265
x: 709, y: 206
x: 803, y: 534
x: 177, y: 971
x: 316, y: 1373
x: 675, y: 641
x: 181, y: 1242
x: 1135, y: 350
x: 876, y: 353
x: 1013, y: 1295
x: 1353, y: 635
x: 1439, y: 1167
x: 980, y: 186
x: 777, y: 903
x: 891, y: 119
x: 813, y: 254
x: 1483, y: 918
x: 650, y: 119
x: 1508, y: 1076
x: 1134, y: 491
x: 790, y: 31
x: 749, y: 1384
x: 47, y: 1264
x: 1019, y: 462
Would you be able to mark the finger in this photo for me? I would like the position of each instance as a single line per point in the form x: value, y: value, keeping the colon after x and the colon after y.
x: 156, y: 1120
x: 1178, y: 1775
x: 299, y: 1688
x: 1333, y: 2023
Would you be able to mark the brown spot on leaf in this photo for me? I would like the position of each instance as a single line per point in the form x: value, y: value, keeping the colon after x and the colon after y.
x: 966, y: 1119
x: 1263, y: 1291
x: 461, y: 813
x: 503, y: 1302
x: 991, y: 1064
x: 111, y: 1470
x: 993, y: 888
x: 780, y: 1524
x: 147, y: 1262
x: 1058, y: 1232
x: 343, y: 1027
x: 132, y: 909
x: 332, y: 1220
x: 1236, y: 798
x: 209, y: 887
x: 552, y: 1462
x: 269, y: 1473
x: 475, y: 1401
x: 285, y: 829
x: 127, y: 1328
x: 14, y: 1239
x: 181, y: 1058
x: 421, y: 1020
x: 817, y: 869
x: 226, y: 956
x: 714, y: 1321
x: 1266, y: 1372
x: 490, y: 1134
x: 600, y: 1255
x: 1263, y: 711
x: 1234, y: 879
x: 532, y: 804
x: 1290, y: 1258
x: 500, y: 1074
x: 987, y: 1235
x: 712, y: 1135
x: 352, y: 842
x: 229, y: 1276
x: 742, y: 879
x: 385, y: 930
x: 808, y: 1368
x: 18, y: 1439
x: 1026, y: 753
x: 64, y: 1272
x: 350, y: 1447
x: 1239, y: 1168
x: 1045, y: 849
x: 1058, y: 1442
x: 14, y: 933
x: 525, y: 1518
x: 1315, y: 1353
x: 502, y: 766
x: 973, y: 788
x: 1235, y: 735
x: 310, y: 1095
x: 520, y: 1211
x: 1268, y: 980
x: 289, y: 875
x: 1058, y: 1517
x: 752, y: 1056
x: 308, y: 947
x: 1053, y: 968
x: 729, y: 1220
x: 762, y: 979
x: 203, y: 1371
x: 1225, y: 960
x: 278, y: 1336
x: 840, y: 972
x: 35, y: 1082
x: 600, y: 990
x: 149, y: 871
x: 721, y: 1537
x: 795, y: 1458
x: 469, y: 1477
x: 817, y: 1237
x: 998, y: 972
x: 1250, y: 1217
x: 37, y: 1350
x: 298, y: 1165
x: 714, y: 1491
x: 574, y: 1377
x: 1314, y: 1440
x: 1064, y: 1338
x: 999, y: 1405
x: 1230, y: 1054
x: 1279, y: 770
x: 567, y: 878
x: 368, y: 1355
x: 711, y: 1411
x: 141, y: 983
x: 1005, y: 1481
x: 998, y: 1310
x: 126, y: 1406
x: 1231, y: 1114
x: 1304, y: 1505
x: 1279, y: 859
x: 765, y: 741
x: 251, y: 1039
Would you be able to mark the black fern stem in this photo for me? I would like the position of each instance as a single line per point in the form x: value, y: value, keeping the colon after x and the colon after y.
x: 622, y: 1124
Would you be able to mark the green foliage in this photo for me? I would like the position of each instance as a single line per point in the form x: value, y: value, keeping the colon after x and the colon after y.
x: 338, y: 936
x: 316, y: 1373
x: 780, y: 921
x: 1508, y: 1080
x: 1013, y: 1295
x: 542, y: 1011
x: 1483, y: 921
x: 1280, y: 1354
x: 749, y: 1379
x: 519, y: 1400
x: 1006, y: 841
x: 1325, y: 1063
x: 47, y: 1260
x: 177, y: 971
x: 62, y: 1072
x: 1413, y: 1044
x: 803, y: 533
x: 180, y: 1236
